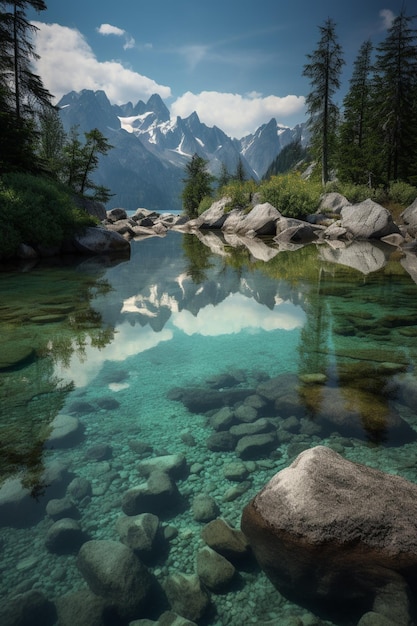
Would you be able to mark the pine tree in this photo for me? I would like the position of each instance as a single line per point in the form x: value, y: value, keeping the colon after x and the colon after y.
x: 290, y: 155
x: 323, y: 70
x: 197, y: 184
x: 355, y: 152
x: 394, y: 108
x: 224, y: 176
x: 21, y: 91
x: 240, y: 172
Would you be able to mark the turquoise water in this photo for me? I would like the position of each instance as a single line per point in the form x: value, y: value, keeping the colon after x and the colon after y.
x: 138, y: 354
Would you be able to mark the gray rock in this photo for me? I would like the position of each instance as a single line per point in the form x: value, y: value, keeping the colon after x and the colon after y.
x: 375, y: 619
x: 65, y: 537
x: 66, y: 431
x: 58, y: 508
x: 324, y: 520
x: 99, y: 452
x: 114, y: 572
x: 255, y: 446
x: 116, y: 214
x: 235, y: 492
x: 409, y: 217
x: 368, y: 220
x: 246, y: 413
x: 28, y: 609
x: 141, y: 533
x: 214, y: 217
x: 214, y: 571
x: 158, y: 495
x: 227, y: 541
x: 262, y: 425
x: 79, y: 488
x: 204, y: 508
x: 333, y: 202
x: 298, y: 233
x: 186, y: 595
x: 175, y: 465
x: 222, y: 441
x: 261, y: 220
x: 82, y: 608
x: 223, y: 419
x: 97, y: 240
x: 235, y: 471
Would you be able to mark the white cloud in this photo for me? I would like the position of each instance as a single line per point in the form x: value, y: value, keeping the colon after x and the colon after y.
x: 108, y: 29
x: 387, y: 17
x: 237, y: 115
x: 68, y: 63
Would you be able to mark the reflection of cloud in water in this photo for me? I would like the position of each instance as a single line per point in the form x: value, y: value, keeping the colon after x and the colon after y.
x: 129, y: 340
x: 237, y: 313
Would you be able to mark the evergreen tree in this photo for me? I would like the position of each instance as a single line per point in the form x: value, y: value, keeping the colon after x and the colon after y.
x: 323, y: 70
x: 80, y: 160
x: 51, y: 141
x: 290, y: 155
x: 21, y: 91
x: 224, y: 176
x: 355, y: 153
x: 394, y: 108
x: 240, y: 172
x: 197, y: 184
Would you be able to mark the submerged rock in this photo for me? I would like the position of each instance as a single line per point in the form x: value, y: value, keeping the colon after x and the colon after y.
x: 214, y: 571
x: 186, y: 595
x: 327, y: 529
x: 158, y: 495
x: 114, y: 572
x: 227, y: 541
x: 28, y: 609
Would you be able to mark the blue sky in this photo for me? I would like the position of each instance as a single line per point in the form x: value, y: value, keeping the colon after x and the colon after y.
x: 237, y: 63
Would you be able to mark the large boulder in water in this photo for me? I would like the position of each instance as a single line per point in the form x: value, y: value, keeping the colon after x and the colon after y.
x: 97, y: 240
x: 327, y: 529
x: 367, y: 220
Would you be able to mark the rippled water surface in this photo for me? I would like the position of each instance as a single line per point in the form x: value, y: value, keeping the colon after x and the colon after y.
x: 139, y: 356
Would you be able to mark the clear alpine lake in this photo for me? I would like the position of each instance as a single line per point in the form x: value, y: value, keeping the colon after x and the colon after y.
x: 140, y: 355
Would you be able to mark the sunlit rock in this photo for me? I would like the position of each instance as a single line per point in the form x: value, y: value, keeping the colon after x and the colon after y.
x: 329, y: 530
x: 66, y: 431
x: 228, y: 541
x: 409, y: 217
x: 158, y: 495
x: 368, y: 220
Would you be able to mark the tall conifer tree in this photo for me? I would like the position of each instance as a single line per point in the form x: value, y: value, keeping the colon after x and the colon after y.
x: 355, y: 154
x: 394, y: 109
x: 324, y: 69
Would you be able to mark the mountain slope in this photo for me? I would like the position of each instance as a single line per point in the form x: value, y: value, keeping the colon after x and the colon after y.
x: 150, y: 149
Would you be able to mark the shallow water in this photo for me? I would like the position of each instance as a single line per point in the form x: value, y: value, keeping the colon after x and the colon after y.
x: 140, y: 351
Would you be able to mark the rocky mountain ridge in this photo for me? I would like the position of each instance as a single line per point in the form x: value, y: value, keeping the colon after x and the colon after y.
x: 150, y: 149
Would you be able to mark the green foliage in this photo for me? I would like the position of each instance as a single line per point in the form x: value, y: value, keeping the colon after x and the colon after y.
x: 289, y: 156
x: 291, y: 195
x: 80, y: 160
x: 36, y: 211
x: 324, y: 69
x: 402, y: 193
x: 205, y: 204
x: 197, y: 185
x: 240, y: 193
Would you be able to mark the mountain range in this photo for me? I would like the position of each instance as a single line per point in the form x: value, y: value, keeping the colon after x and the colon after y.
x: 146, y: 166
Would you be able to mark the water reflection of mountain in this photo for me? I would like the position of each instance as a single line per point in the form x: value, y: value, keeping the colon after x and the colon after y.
x: 162, y: 278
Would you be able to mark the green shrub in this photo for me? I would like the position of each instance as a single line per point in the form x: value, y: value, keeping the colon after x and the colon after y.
x: 240, y: 193
x: 36, y: 210
x: 402, y: 193
x: 291, y: 195
x: 205, y: 204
